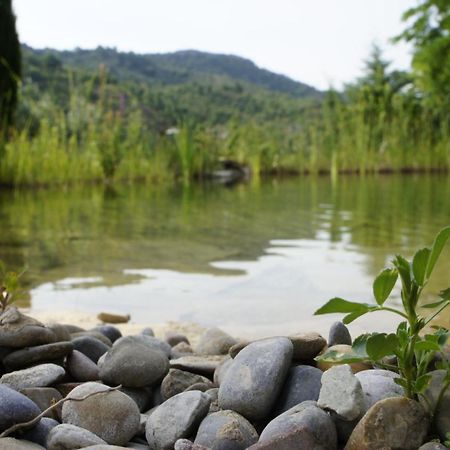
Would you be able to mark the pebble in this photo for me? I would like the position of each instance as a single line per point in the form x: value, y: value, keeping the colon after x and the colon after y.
x: 113, y: 318
x: 176, y: 418
x: 42, y: 375
x: 173, y: 338
x: 342, y: 393
x: 39, y: 354
x: 378, y: 385
x: 226, y: 430
x: 214, y: 341
x: 255, y: 378
x: 433, y: 446
x: 95, y: 334
x: 203, y: 365
x: 176, y: 381
x: 442, y: 414
x: 302, y: 383
x: 307, y: 345
x: 81, y: 367
x: 180, y: 350
x: 68, y: 436
x: 221, y: 370
x: 148, y: 331
x: 17, y: 444
x: 236, y: 348
x: 44, y: 397
x: 18, y: 330
x: 39, y: 433
x: 150, y: 341
x: 111, y: 332
x: 186, y: 444
x: 343, y: 349
x: 60, y: 331
x: 113, y: 416
x: 15, y: 408
x: 305, y: 417
x: 133, y: 363
x: 393, y: 423
x: 339, y: 334
x: 90, y: 346
x: 141, y: 396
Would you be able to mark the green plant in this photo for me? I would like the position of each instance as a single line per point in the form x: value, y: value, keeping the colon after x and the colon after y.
x: 413, y: 351
x: 9, y: 286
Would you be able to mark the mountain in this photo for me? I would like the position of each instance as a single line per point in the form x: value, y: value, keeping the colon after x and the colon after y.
x: 167, y: 89
x: 178, y: 68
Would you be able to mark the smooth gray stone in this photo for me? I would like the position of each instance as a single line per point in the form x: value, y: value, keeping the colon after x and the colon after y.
x: 180, y: 350
x: 432, y: 393
x: 15, y: 408
x: 113, y: 416
x: 176, y: 418
x: 221, y: 370
x: 95, y: 334
x: 226, y: 430
x: 38, y: 376
x: 433, y: 446
x: 9, y: 443
x: 133, y: 363
x: 68, y: 436
x: 203, y: 365
x: 342, y: 393
x: 148, y: 331
x: 18, y: 330
x: 256, y: 377
x: 173, y: 338
x: 110, y: 331
x: 44, y: 398
x: 141, y: 396
x: 302, y: 383
x: 177, y: 381
x: 81, y: 367
x: 150, y: 341
x: 378, y: 385
x: 90, y: 346
x: 39, y: 354
x: 185, y: 444
x: 61, y: 332
x: 214, y: 342
x: 40, y: 432
x: 304, y: 416
x: 339, y: 334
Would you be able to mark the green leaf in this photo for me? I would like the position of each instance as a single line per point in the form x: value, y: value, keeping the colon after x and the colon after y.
x: 383, y: 284
x: 435, y: 304
x: 381, y: 345
x: 445, y: 294
x: 419, y: 265
x: 340, y: 357
x: 422, y: 383
x: 404, y: 269
x: 401, y: 382
x: 339, y: 305
x: 349, y: 318
x: 436, y: 249
x: 427, y: 345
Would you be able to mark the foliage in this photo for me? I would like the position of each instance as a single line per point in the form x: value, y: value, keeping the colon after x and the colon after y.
x: 10, y: 65
x: 412, y: 351
x: 429, y: 31
x: 9, y: 286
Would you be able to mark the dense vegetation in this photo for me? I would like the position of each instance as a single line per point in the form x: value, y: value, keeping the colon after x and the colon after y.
x: 101, y: 114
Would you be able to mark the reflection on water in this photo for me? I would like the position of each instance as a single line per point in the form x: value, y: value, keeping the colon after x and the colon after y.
x: 261, y: 255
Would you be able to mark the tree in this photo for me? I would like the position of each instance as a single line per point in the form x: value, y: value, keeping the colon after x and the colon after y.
x: 10, y: 65
x: 429, y: 32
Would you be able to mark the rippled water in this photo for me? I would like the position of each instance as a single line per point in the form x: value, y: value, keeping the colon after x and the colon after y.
x: 255, y: 259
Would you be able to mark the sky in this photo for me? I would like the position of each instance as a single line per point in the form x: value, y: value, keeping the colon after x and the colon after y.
x: 318, y: 42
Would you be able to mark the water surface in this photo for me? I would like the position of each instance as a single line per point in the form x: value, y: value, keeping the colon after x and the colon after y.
x: 254, y: 259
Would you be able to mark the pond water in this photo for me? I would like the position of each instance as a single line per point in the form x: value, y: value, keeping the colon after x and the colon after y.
x: 255, y: 259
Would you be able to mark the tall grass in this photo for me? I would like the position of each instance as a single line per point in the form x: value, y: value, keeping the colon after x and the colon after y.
x: 370, y: 127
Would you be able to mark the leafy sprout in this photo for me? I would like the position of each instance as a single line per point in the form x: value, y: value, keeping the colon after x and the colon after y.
x: 413, y: 352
